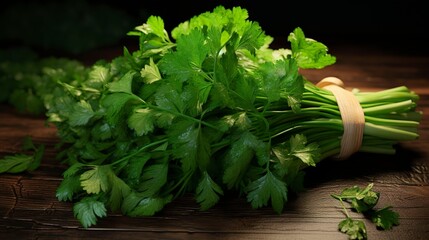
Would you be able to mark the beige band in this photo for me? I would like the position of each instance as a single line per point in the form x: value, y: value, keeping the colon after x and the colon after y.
x: 352, y: 116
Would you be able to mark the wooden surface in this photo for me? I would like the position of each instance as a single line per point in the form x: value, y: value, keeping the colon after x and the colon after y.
x: 30, y: 210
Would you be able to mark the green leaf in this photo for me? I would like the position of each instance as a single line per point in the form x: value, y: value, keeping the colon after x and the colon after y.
x: 186, y: 62
x: 267, y: 187
x: 308, y: 52
x: 361, y: 200
x: 270, y: 75
x: 190, y: 145
x: 136, y: 205
x: 155, y: 25
x: 307, y: 153
x: 215, y: 43
x: 252, y: 37
x: 151, y: 46
x: 115, y: 105
x: 281, y: 79
x: 101, y: 131
x: 385, y: 218
x: 238, y: 158
x: 118, y: 192
x: 152, y: 34
x: 292, y: 157
x: 142, y: 121
x: 68, y: 188
x: 200, y: 92
x: 22, y: 162
x: 15, y: 163
x: 90, y: 151
x: 355, y: 229
x: 81, y: 114
x: 133, y: 171
x: 103, y: 179
x: 88, y: 210
x: 239, y: 120
x: 288, y: 167
x: 207, y: 192
x: 246, y: 89
x: 219, y: 17
x: 124, y: 84
x: 168, y: 97
x: 150, y: 73
x: 96, y: 179
x: 226, y: 79
x: 73, y: 169
x: 74, y: 91
x: 128, y: 62
x: 153, y: 178
x: 98, y: 76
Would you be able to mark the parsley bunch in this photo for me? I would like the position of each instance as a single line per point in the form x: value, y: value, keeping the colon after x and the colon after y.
x: 205, y: 109
x: 28, y: 81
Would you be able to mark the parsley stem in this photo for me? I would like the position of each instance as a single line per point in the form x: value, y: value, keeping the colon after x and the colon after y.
x: 139, y: 151
x: 183, y: 116
x: 344, y: 208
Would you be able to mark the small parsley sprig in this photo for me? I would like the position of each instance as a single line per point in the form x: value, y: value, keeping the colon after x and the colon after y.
x: 20, y: 162
x: 364, y: 201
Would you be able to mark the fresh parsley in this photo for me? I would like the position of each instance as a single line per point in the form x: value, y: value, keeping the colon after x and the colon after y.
x: 204, y: 109
x: 364, y: 200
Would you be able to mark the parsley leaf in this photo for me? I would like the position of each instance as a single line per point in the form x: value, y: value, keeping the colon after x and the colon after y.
x: 16, y: 163
x: 82, y: 113
x: 88, y: 209
x: 153, y: 179
x: 267, y: 187
x: 186, y: 62
x: 292, y: 157
x: 308, y: 52
x: 95, y: 180
x: 150, y: 73
x: 137, y: 205
x: 207, y: 192
x: 361, y: 200
x: 141, y: 121
x: 23, y: 162
x: 384, y: 218
x: 355, y: 229
x: 307, y: 153
x: 115, y: 105
x: 68, y: 187
x: 238, y: 158
x: 281, y: 80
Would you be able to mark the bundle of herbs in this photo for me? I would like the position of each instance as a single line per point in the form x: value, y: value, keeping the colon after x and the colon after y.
x: 205, y: 109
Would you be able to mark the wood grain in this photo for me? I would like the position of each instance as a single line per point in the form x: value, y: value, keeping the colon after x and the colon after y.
x: 30, y: 210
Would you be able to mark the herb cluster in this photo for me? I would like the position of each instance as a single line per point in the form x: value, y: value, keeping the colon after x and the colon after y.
x: 205, y: 109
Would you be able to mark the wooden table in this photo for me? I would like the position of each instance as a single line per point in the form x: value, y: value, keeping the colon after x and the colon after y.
x: 30, y: 210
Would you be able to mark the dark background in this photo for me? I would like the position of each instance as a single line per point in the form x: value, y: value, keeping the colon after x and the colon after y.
x: 394, y: 23
x: 398, y: 26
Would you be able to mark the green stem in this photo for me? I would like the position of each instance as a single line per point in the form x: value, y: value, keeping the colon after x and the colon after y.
x: 391, y: 107
x: 139, y: 151
x: 389, y: 133
x: 182, y: 116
